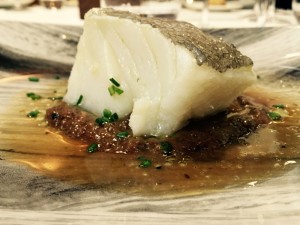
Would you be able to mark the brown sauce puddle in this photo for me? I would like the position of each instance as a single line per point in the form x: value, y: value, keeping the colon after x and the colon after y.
x: 30, y: 141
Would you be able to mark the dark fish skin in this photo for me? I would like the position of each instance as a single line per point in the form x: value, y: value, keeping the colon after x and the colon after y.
x: 214, y: 52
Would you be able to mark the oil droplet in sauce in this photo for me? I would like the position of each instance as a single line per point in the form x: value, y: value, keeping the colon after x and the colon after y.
x: 30, y: 141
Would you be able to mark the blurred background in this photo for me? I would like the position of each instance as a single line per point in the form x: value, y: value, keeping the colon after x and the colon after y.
x: 202, y: 13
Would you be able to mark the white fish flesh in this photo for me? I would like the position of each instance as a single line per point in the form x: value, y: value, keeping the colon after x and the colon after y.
x: 169, y: 71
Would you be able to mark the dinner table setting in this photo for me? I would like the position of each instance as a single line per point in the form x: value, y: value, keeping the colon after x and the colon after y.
x: 48, y: 178
x: 233, y: 14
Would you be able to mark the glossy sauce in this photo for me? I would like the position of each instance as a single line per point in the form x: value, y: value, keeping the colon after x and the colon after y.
x: 269, y: 152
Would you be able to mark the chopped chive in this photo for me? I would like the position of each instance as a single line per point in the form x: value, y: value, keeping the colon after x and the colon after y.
x: 114, y: 117
x: 123, y: 134
x: 144, y: 162
x: 119, y: 91
x: 115, y: 87
x: 56, y: 98
x: 107, y: 113
x: 33, y: 96
x: 114, y: 90
x: 115, y: 82
x: 166, y: 148
x: 102, y: 120
x: 274, y: 116
x: 111, y: 90
x: 278, y: 106
x: 33, y: 114
x: 34, y: 79
x: 107, y: 117
x: 79, y: 100
x: 92, y: 148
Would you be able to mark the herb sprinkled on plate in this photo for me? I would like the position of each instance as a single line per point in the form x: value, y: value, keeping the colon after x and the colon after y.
x: 33, y: 114
x: 274, y: 116
x: 33, y: 79
x: 33, y: 96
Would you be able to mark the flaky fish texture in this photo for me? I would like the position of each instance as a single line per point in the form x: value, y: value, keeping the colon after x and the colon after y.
x: 169, y: 71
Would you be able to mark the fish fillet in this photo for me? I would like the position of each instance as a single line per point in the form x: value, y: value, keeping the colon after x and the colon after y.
x: 169, y: 71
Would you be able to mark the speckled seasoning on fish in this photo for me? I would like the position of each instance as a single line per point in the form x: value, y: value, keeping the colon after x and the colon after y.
x: 159, y: 72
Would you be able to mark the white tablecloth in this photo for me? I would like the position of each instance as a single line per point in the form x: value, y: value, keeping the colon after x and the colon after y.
x: 66, y: 16
x: 69, y: 15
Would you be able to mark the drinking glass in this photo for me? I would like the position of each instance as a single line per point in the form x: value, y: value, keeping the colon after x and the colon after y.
x: 205, y: 14
x: 17, y: 4
x: 296, y: 9
x: 52, y: 4
x: 264, y: 10
x: 113, y: 3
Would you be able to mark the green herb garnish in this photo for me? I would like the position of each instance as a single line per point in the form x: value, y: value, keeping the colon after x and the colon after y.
x: 33, y: 96
x: 119, y: 91
x: 166, y: 148
x: 79, y: 100
x: 274, y: 116
x: 107, y: 117
x: 114, y: 117
x: 144, y: 162
x: 111, y: 90
x: 107, y: 113
x: 34, y: 79
x: 114, y: 90
x: 102, y: 120
x: 92, y: 148
x: 33, y: 114
x: 56, y: 98
x: 278, y: 106
x: 123, y: 134
x: 116, y: 83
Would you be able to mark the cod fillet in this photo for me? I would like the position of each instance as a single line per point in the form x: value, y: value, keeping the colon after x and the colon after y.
x: 168, y: 71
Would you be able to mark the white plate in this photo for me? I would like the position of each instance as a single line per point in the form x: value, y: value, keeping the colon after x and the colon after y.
x: 29, y: 197
x: 12, y: 3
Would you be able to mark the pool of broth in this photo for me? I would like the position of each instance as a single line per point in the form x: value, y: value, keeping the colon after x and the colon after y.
x: 269, y: 152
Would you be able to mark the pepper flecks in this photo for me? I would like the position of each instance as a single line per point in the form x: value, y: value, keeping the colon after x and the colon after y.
x: 206, y: 49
